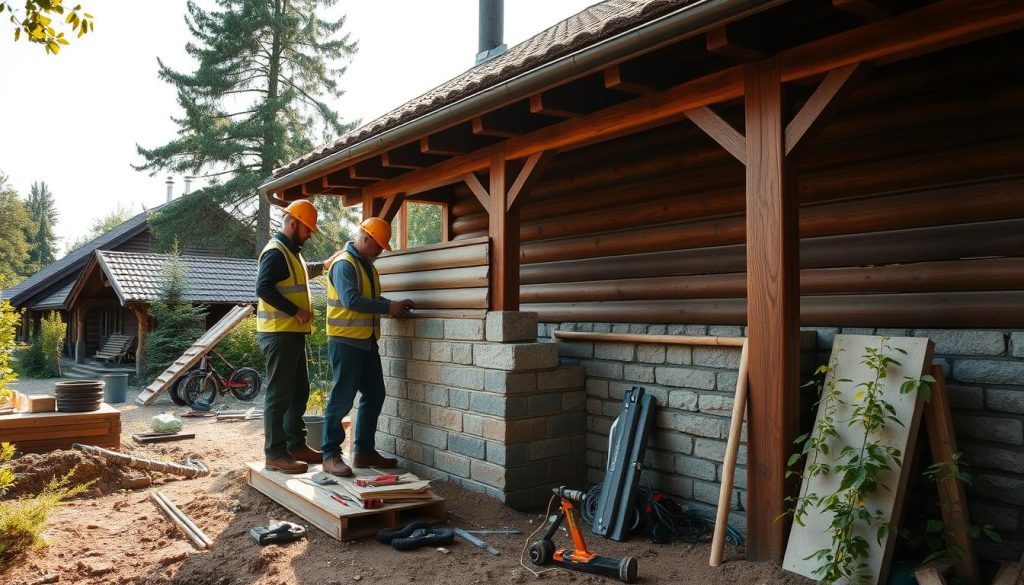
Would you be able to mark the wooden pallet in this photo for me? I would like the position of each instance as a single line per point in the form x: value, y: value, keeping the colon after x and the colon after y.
x: 315, y: 505
x: 193, y: 354
x: 46, y: 431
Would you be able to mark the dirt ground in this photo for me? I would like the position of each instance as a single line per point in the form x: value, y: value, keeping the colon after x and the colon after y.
x: 119, y: 536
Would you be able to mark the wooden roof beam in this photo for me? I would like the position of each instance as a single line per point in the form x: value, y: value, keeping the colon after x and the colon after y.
x: 373, y: 170
x: 343, y: 179
x: 725, y: 42
x: 616, y: 78
x: 549, y: 104
x: 867, y: 10
x: 408, y: 156
x: 512, y: 120
x: 822, y: 106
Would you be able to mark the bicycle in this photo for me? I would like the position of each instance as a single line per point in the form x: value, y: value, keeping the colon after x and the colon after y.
x: 207, y: 382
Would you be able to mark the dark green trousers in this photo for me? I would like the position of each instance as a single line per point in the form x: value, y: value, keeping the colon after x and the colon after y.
x: 287, y: 392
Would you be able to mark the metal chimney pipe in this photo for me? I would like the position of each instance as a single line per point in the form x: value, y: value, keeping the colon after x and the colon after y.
x: 170, y: 189
x: 188, y: 185
x: 492, y: 27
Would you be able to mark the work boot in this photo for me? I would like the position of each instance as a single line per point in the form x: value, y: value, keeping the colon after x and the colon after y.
x: 311, y: 456
x: 373, y: 459
x: 335, y: 465
x: 285, y: 464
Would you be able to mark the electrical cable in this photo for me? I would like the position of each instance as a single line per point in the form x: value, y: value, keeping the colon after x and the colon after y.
x: 526, y: 545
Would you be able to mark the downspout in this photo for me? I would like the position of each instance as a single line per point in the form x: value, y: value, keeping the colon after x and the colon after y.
x: 689, y: 20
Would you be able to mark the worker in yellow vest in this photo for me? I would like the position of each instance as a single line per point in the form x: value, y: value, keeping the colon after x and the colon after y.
x: 354, y: 306
x: 283, y: 316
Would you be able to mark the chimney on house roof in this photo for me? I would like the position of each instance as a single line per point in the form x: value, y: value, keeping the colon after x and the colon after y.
x: 188, y: 185
x: 492, y: 26
x: 170, y: 189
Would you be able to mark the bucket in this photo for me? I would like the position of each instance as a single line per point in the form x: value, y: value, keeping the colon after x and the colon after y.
x: 314, y: 430
x: 116, y: 388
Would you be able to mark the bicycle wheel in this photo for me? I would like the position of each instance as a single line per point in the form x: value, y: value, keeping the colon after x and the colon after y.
x: 175, y: 391
x: 199, y: 385
x: 248, y: 383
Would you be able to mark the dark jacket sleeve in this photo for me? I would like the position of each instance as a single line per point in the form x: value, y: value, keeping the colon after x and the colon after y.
x: 274, y: 269
x: 344, y: 278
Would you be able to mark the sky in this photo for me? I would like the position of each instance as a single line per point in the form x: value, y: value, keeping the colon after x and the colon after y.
x: 73, y: 120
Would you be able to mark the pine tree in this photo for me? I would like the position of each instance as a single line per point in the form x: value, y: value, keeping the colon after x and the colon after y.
x: 14, y: 247
x: 178, y: 323
x: 266, y: 69
x: 44, y: 213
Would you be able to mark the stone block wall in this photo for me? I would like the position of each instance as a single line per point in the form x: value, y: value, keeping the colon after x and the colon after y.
x: 984, y: 371
x: 482, y: 403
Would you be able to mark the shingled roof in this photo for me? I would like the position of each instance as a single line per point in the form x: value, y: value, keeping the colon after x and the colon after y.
x: 136, y: 277
x: 589, y: 27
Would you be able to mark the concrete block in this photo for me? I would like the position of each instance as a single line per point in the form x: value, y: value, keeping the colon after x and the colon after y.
x: 472, y: 424
x: 399, y: 347
x: 661, y: 460
x: 462, y: 353
x: 385, y: 442
x: 671, y: 441
x: 715, y: 451
x: 465, y: 445
x: 695, y: 468
x: 963, y: 397
x: 562, y: 378
x: 528, y: 429
x: 701, y: 426
x: 965, y: 341
x: 681, y: 487
x: 500, y: 454
x: 595, y: 406
x: 576, y: 349
x: 430, y: 328
x: 990, y: 428
x: 622, y: 352
x: 506, y: 326
x: 638, y: 373
x: 726, y: 381
x: 683, y: 400
x: 716, y: 404
x: 390, y: 406
x: 679, y: 355
x: 497, y: 405
x: 488, y: 473
x: 458, y: 398
x: 567, y: 424
x: 462, y: 376
x: 610, y: 370
x: 440, y: 351
x: 544, y: 404
x: 650, y: 353
x: 993, y: 457
x: 858, y: 330
x: 725, y: 331
x: 451, y: 463
x: 989, y: 371
x: 825, y: 336
x: 1005, y: 399
x: 414, y: 451
x: 436, y: 395
x: 602, y: 425
x: 602, y: 328
x: 495, y: 429
x: 546, y: 448
x: 717, y: 357
x: 430, y: 436
x: 414, y: 411
x: 423, y: 372
x: 657, y: 329
x: 515, y: 356
x: 391, y: 327
x: 1017, y: 344
x: 401, y: 428
x: 506, y: 382
x: 395, y: 387
x: 611, y: 409
x: 417, y: 392
x: 464, y: 329
x: 597, y: 388
x: 446, y: 418
x: 685, y: 377
x: 396, y: 368
x: 420, y: 349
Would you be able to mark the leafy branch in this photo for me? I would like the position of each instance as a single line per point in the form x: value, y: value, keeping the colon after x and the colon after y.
x: 37, y: 23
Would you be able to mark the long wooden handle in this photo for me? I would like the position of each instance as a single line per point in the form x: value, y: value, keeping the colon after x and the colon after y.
x: 739, y: 407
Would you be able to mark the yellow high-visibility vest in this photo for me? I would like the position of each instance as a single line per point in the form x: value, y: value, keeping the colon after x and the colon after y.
x: 294, y: 288
x: 343, y: 322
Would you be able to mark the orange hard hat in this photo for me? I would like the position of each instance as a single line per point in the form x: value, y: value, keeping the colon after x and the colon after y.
x: 379, y: 230
x: 303, y: 211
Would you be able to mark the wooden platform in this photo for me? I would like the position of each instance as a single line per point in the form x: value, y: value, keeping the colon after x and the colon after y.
x: 315, y: 505
x: 42, y: 432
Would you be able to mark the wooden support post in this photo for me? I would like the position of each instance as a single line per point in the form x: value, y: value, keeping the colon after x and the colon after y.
x: 140, y: 349
x: 80, y: 333
x: 503, y: 228
x: 773, y: 287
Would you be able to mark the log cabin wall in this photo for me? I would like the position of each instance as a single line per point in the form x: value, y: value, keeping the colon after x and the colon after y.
x: 912, y: 223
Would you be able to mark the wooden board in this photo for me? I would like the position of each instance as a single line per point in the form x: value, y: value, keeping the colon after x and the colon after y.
x: 161, y: 437
x: 47, y: 431
x: 314, y: 504
x: 34, y: 402
x: 195, y: 353
x: 849, y: 349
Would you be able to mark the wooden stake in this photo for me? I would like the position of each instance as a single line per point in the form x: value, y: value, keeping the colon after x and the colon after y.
x: 739, y: 407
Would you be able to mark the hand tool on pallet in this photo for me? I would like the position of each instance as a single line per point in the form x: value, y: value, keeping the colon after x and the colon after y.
x: 380, y: 480
x: 578, y: 558
x: 476, y: 541
x: 343, y: 499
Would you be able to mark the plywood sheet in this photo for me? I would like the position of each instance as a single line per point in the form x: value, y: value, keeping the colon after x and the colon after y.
x: 849, y: 350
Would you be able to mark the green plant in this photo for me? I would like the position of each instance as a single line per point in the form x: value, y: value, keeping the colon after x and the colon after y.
x: 9, y: 320
x: 859, y: 466
x: 22, y: 521
x: 41, y: 358
x: 178, y: 323
x: 241, y: 348
x: 317, y: 402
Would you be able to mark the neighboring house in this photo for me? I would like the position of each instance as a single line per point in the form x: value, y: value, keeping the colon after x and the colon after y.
x: 48, y: 289
x: 115, y: 290
x: 659, y: 166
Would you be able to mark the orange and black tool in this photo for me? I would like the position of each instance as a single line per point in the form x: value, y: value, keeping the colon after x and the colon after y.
x: 578, y: 558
